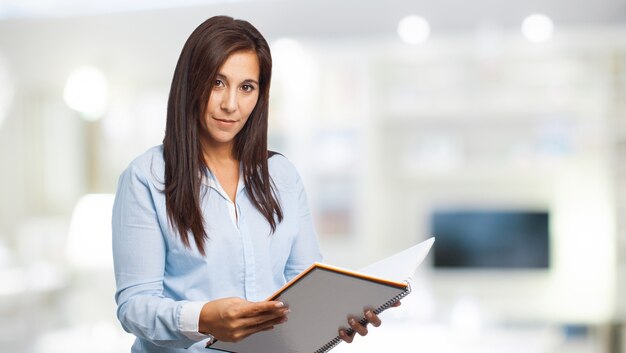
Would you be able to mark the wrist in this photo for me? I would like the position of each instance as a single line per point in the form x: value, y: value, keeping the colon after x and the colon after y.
x: 206, y: 316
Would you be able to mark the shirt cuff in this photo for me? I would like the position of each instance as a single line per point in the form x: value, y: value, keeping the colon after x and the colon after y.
x: 189, y: 321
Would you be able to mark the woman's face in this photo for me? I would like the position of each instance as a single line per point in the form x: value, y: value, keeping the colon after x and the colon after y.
x: 233, y: 97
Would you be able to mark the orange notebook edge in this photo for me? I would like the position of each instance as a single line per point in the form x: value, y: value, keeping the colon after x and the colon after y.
x: 402, y: 285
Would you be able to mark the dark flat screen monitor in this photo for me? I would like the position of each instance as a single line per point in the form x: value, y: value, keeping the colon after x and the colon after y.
x: 491, y: 239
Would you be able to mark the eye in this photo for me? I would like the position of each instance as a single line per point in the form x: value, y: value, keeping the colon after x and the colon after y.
x: 248, y: 88
x: 218, y: 83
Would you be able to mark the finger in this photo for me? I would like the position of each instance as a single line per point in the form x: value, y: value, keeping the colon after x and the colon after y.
x: 255, y: 309
x: 372, y: 318
x: 397, y: 304
x: 356, y: 326
x: 276, y: 317
x: 344, y: 336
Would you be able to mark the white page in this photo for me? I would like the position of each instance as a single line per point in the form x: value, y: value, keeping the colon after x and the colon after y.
x: 401, y: 266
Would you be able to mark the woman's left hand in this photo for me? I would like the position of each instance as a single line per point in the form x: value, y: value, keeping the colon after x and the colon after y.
x: 357, y: 327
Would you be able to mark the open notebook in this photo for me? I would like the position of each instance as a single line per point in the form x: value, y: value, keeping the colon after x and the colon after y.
x: 322, y: 297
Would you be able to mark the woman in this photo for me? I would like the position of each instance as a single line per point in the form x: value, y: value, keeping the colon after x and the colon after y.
x: 208, y: 225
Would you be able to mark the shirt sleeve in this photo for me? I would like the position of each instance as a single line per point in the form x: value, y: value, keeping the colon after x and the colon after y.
x: 305, y: 249
x: 190, y: 321
x: 139, y: 253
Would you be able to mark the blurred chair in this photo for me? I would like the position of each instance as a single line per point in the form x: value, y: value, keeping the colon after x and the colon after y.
x: 88, y: 305
x: 89, y: 238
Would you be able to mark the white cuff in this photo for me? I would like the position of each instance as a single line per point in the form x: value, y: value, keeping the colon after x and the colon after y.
x: 189, y: 321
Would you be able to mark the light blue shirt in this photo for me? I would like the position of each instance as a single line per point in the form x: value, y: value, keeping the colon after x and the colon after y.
x: 162, y: 285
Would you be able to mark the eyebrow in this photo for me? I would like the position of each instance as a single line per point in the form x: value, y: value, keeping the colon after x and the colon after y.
x: 224, y: 77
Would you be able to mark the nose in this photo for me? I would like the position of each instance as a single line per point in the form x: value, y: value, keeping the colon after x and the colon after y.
x: 229, y: 101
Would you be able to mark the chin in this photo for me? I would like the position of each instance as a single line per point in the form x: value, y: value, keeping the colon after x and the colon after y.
x: 223, y: 138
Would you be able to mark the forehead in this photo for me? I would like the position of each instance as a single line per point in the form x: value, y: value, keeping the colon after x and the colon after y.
x: 241, y: 65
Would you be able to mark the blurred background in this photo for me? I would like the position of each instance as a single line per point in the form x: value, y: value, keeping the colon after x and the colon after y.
x: 497, y: 126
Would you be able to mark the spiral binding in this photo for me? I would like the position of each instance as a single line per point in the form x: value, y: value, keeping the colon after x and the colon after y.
x: 335, y: 341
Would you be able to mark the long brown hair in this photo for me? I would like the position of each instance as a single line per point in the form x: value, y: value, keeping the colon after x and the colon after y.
x: 206, y: 49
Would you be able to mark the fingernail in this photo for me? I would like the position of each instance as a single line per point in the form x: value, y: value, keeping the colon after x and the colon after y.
x: 286, y: 311
x: 280, y: 304
x: 342, y: 333
x: 285, y: 319
x: 369, y: 313
x: 352, y: 322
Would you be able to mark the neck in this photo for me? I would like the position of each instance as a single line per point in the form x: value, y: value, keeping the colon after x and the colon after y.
x: 217, y: 154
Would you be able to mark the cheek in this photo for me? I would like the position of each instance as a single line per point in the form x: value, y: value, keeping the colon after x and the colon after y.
x: 212, y: 105
x: 249, y: 106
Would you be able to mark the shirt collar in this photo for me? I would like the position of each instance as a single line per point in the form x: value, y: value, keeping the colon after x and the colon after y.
x: 208, y: 179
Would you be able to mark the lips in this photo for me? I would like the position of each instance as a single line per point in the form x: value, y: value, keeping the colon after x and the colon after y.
x: 225, y: 120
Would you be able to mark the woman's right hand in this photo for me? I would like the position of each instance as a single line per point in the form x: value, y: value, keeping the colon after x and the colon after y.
x: 233, y: 319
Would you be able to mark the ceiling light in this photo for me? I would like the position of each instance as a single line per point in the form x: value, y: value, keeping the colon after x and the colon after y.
x: 413, y: 29
x: 86, y: 92
x: 286, y: 49
x: 290, y: 60
x: 537, y: 28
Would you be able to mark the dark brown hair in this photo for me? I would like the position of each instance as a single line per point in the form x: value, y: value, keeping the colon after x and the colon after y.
x: 206, y: 49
